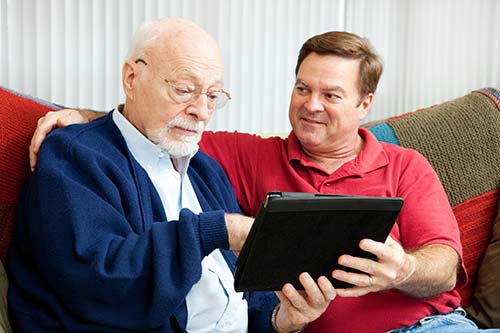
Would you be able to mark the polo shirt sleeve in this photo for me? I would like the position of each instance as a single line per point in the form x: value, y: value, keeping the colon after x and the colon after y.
x: 426, y: 216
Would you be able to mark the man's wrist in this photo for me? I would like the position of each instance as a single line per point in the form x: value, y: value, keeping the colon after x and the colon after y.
x: 410, y: 268
x: 275, y: 326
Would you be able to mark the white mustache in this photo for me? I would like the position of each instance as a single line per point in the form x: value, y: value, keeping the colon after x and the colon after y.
x: 183, y: 144
x: 158, y: 135
x: 187, y: 124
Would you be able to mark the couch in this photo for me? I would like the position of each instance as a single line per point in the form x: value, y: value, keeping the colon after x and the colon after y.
x: 460, y: 138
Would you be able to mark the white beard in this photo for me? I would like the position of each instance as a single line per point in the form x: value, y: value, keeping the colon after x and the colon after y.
x: 183, y: 145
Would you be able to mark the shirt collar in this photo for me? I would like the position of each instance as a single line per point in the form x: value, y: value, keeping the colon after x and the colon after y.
x: 144, y: 151
x: 373, y: 155
x: 370, y: 158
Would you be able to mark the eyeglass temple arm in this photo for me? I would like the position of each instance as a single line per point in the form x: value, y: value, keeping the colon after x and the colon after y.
x: 140, y: 60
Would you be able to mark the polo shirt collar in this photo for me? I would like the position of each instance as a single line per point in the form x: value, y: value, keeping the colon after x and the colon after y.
x: 373, y: 155
x: 370, y: 158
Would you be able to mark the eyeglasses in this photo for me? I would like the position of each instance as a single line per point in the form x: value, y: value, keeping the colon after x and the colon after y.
x: 188, y: 93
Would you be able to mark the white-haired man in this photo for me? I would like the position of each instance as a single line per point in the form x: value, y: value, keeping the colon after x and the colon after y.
x: 125, y: 226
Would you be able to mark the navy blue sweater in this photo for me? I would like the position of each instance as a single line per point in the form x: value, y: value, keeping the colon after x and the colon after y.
x: 92, y: 250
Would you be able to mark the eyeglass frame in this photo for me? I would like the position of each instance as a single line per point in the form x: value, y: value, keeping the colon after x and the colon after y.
x: 196, y: 93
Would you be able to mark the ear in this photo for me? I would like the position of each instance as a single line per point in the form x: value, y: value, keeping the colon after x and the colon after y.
x: 365, y: 105
x: 129, y: 76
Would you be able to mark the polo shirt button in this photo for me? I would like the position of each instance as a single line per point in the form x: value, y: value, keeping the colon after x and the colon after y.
x: 328, y: 184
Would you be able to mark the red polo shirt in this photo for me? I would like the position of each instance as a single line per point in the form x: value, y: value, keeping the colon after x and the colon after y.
x: 256, y: 166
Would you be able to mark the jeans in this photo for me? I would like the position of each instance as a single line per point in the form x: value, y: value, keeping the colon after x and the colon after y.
x: 453, y: 322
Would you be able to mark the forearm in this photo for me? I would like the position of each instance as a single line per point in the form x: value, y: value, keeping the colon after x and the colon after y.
x: 430, y: 271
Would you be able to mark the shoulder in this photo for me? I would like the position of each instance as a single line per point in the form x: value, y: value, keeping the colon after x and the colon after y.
x: 212, y: 141
x: 392, y: 149
x: 99, y: 139
x: 93, y: 134
x: 398, y: 151
x: 404, y: 155
x: 409, y: 164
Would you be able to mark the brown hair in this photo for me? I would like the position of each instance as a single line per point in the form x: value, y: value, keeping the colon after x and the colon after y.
x: 347, y: 45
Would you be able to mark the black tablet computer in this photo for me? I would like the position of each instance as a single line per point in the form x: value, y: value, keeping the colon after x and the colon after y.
x: 304, y: 232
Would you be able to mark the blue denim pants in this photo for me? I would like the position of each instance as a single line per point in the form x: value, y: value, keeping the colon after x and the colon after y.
x: 453, y: 322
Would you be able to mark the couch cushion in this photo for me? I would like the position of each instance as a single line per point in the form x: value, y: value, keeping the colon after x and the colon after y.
x: 18, y: 119
x: 4, y: 318
x: 461, y: 139
x: 485, y: 308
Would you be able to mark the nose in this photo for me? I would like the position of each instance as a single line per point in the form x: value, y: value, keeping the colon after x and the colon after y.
x: 199, y: 108
x: 313, y: 103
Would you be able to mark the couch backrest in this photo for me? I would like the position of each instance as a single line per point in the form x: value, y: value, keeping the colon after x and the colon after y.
x: 18, y: 119
x: 461, y: 139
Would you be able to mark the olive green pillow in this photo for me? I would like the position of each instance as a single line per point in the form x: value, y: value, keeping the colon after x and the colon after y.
x: 4, y: 322
x: 485, y: 308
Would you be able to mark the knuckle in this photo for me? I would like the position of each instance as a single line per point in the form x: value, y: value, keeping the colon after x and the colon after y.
x: 392, y: 275
x: 369, y: 267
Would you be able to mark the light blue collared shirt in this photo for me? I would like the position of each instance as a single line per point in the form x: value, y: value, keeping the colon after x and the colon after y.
x: 213, y: 304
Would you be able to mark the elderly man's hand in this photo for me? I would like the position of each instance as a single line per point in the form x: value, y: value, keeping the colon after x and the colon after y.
x: 55, y: 119
x: 238, y: 226
x: 297, y: 308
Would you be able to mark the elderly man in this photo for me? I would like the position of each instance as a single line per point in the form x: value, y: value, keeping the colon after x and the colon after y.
x: 125, y: 226
x: 411, y: 286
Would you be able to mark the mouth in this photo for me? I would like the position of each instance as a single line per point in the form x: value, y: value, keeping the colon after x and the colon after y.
x: 186, y: 131
x: 310, y: 121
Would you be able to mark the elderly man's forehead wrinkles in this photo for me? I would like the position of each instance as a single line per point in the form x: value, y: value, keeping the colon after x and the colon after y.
x: 199, y: 69
x: 210, y: 80
x: 196, y: 74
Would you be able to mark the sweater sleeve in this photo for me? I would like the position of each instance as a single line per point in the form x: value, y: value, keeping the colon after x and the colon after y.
x: 102, y: 244
x: 260, y: 307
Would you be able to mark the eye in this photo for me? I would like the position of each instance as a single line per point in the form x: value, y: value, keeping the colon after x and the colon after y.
x: 332, y: 97
x: 301, y: 90
x: 182, y: 91
x: 213, y: 95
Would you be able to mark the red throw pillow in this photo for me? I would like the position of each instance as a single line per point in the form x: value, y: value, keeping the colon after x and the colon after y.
x: 485, y: 307
x: 475, y: 218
